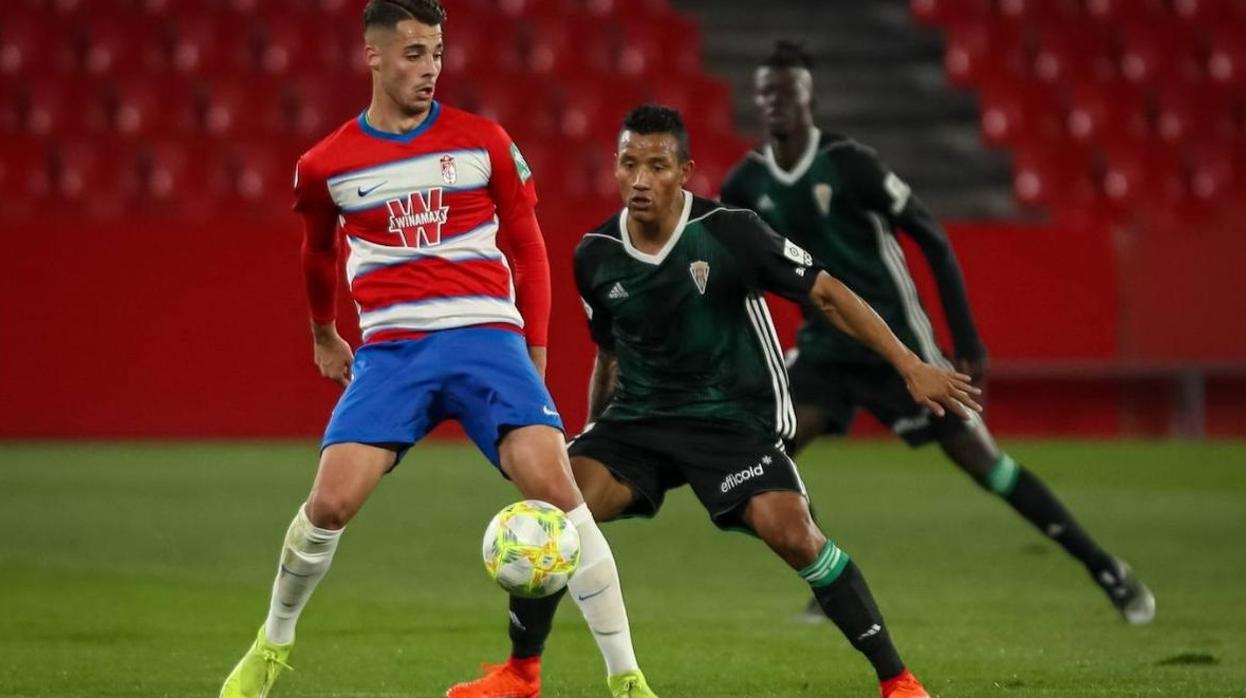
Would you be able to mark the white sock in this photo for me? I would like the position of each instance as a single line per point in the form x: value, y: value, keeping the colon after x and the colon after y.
x: 305, y: 558
x: 595, y: 589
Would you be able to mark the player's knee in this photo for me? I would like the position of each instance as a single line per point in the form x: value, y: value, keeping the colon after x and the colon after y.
x: 330, y: 510
x: 992, y: 470
x: 535, y: 458
x: 561, y: 492
x: 783, y: 522
x: 798, y: 544
x: 605, y: 496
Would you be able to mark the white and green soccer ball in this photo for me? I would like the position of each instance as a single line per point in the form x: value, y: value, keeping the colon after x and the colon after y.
x: 531, y: 549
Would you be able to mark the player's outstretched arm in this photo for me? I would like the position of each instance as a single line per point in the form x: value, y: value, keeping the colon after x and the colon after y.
x: 924, y: 228
x: 603, y: 382
x: 936, y: 388
x: 882, y: 194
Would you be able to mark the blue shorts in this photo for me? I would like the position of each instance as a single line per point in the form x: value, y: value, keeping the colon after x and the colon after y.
x: 401, y: 390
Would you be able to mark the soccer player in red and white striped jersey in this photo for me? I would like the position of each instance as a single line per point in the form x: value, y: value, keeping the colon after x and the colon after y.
x: 427, y: 198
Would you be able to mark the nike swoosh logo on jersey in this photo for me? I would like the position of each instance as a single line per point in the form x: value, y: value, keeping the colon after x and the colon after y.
x: 548, y: 411
x: 364, y: 192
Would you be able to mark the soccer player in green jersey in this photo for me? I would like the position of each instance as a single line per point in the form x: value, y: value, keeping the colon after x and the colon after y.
x: 833, y: 197
x: 689, y: 385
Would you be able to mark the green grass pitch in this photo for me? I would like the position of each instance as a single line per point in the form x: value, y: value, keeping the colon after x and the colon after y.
x: 144, y: 570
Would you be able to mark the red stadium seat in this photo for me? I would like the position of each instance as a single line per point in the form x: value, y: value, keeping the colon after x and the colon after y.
x: 714, y: 157
x: 186, y: 177
x: 35, y: 46
x: 12, y: 106
x: 173, y: 8
x: 154, y: 106
x: 1217, y: 173
x: 1210, y: 13
x: 348, y: 10
x: 25, y: 176
x: 670, y: 45
x: 1112, y: 12
x: 99, y: 177
x: 949, y: 12
x: 704, y: 101
x: 471, y: 48
x: 245, y: 107
x: 1078, y: 52
x: 53, y: 107
x: 562, y: 46
x: 1151, y: 53
x: 260, y: 175
x: 78, y: 9
x: 980, y: 51
x: 516, y: 8
x: 508, y: 50
x: 289, y: 46
x: 1099, y: 112
x: 591, y: 111
x: 1226, y: 59
x: 1033, y: 12
x: 657, y: 10
x: 319, y: 104
x: 1054, y: 177
x: 1017, y: 112
x: 523, y: 105
x: 122, y: 47
x: 209, y: 44
x: 232, y: 10
x: 289, y: 9
x: 1194, y: 113
x: 1143, y: 176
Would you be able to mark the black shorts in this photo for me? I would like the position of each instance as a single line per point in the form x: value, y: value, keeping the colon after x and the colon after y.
x: 724, y: 468
x: 838, y: 389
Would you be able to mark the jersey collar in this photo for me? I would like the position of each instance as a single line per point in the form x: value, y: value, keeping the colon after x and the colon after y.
x: 802, y: 165
x: 433, y: 112
x: 661, y: 254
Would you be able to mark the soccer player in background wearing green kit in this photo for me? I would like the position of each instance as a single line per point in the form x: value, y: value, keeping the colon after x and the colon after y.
x: 689, y: 385
x: 833, y: 197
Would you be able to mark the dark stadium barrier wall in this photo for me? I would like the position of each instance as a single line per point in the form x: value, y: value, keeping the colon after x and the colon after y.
x: 168, y: 329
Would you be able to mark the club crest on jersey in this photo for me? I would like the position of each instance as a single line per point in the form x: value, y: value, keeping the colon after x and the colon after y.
x: 449, y: 173
x: 700, y: 271
x: 418, y: 220
x: 822, y: 196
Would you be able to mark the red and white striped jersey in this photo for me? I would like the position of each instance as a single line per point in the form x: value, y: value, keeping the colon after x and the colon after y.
x: 420, y: 212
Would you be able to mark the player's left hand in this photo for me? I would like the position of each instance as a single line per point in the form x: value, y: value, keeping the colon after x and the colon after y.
x: 942, y: 389
x: 539, y: 359
x: 976, y: 369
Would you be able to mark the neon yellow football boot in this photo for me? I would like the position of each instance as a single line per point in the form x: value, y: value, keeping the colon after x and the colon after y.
x: 630, y: 685
x: 258, y: 669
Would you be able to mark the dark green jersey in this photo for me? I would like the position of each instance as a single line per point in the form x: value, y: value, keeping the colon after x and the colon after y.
x: 844, y: 206
x: 693, y: 337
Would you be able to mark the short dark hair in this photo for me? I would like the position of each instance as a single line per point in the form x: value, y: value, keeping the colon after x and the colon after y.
x: 788, y: 54
x: 656, y: 118
x: 388, y: 13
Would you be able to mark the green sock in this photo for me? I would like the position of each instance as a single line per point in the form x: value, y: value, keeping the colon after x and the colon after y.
x: 826, y: 568
x: 1003, y: 476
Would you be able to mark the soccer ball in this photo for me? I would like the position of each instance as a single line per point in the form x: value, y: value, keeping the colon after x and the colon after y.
x: 531, y: 549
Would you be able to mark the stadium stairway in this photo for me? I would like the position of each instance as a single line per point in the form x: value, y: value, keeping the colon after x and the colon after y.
x: 880, y: 79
